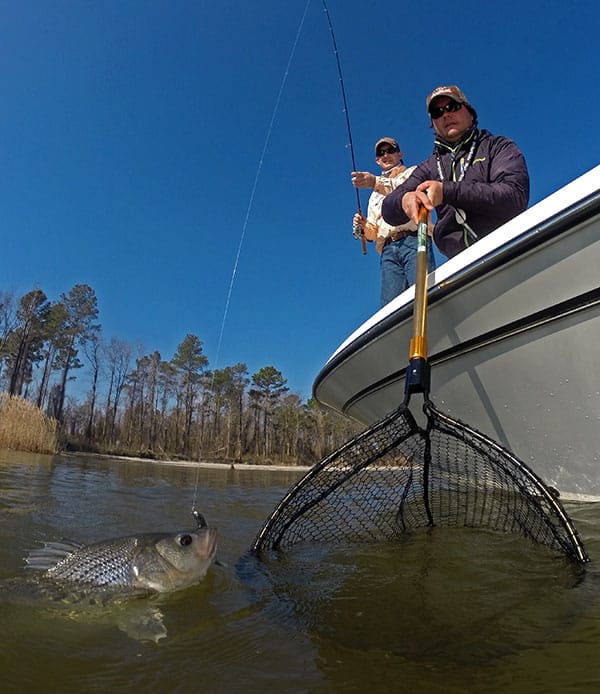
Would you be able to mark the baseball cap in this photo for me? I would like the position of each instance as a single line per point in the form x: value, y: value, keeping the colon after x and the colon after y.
x: 386, y: 141
x: 452, y: 92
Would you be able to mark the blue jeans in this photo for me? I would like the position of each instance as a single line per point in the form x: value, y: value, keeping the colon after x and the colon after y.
x: 399, y: 266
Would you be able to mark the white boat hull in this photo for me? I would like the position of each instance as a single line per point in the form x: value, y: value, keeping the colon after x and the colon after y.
x: 513, y: 332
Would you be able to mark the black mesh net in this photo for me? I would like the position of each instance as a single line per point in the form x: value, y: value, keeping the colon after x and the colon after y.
x: 398, y: 476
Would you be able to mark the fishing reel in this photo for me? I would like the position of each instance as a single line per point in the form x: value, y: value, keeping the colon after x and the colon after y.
x: 359, y: 233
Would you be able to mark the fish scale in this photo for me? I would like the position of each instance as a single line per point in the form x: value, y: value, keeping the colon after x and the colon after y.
x: 101, y: 564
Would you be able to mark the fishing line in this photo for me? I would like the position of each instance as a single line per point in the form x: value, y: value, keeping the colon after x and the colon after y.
x: 195, y: 512
x: 358, y: 233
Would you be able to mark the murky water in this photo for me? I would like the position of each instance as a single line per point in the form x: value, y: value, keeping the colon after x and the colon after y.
x: 445, y: 611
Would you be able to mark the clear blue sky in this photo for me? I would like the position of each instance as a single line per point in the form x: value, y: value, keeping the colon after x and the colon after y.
x: 132, y: 132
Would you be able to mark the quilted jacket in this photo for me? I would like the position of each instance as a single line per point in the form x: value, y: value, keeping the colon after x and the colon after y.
x: 493, y: 189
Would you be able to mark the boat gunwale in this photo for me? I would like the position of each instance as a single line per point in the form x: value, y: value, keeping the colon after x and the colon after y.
x: 576, y: 304
x: 540, y: 233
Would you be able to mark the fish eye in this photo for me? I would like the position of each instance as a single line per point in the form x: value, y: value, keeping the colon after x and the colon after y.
x: 185, y: 540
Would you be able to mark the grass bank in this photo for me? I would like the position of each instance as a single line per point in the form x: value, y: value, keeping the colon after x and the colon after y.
x: 24, y: 427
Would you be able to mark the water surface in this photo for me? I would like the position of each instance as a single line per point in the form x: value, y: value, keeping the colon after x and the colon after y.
x: 446, y: 610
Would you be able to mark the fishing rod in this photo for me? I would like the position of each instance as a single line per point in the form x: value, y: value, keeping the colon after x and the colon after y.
x: 357, y: 230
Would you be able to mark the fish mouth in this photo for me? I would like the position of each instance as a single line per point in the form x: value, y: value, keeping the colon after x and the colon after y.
x: 208, y: 547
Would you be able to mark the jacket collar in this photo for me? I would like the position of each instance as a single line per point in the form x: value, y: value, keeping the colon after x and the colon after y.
x: 444, y: 146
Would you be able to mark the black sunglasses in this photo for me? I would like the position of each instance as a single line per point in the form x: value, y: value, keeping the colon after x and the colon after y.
x: 451, y: 107
x: 381, y: 152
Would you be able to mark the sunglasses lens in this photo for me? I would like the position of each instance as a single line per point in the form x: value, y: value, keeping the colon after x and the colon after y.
x: 382, y: 152
x: 450, y: 107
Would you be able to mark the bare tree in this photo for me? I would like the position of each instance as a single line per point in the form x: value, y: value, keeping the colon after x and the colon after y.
x: 117, y: 357
x: 92, y: 350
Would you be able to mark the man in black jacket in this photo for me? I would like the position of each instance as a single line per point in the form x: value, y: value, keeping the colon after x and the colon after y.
x: 476, y: 181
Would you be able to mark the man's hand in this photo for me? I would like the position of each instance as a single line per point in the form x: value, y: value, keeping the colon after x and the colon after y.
x: 430, y: 194
x: 363, y: 179
x: 359, y: 221
x: 434, y: 191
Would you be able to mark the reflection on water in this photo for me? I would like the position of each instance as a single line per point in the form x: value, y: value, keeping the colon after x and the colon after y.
x: 445, y: 610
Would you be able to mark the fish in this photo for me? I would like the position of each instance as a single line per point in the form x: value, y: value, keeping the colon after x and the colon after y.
x: 97, y: 582
x: 147, y: 562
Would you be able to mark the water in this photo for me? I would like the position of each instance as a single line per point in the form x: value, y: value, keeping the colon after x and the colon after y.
x: 444, y: 611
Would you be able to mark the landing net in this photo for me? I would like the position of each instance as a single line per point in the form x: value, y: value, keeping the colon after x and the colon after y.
x: 397, y: 476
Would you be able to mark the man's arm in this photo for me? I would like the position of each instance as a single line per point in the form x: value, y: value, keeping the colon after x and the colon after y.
x: 392, y: 209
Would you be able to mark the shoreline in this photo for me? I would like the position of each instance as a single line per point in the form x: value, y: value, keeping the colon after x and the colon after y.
x: 189, y: 463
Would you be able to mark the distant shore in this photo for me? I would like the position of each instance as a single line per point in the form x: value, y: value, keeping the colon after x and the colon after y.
x: 189, y: 463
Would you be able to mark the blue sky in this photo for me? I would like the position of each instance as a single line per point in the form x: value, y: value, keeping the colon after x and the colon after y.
x: 149, y: 148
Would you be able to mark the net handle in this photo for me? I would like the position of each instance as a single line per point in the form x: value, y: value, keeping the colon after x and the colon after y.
x: 417, y: 372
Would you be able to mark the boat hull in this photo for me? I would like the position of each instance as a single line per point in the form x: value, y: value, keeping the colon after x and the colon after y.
x: 513, y: 328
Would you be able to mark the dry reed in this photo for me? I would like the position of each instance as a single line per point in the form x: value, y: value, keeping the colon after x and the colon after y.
x: 24, y: 427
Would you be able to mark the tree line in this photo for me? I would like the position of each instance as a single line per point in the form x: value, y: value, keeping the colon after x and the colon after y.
x: 146, y: 405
